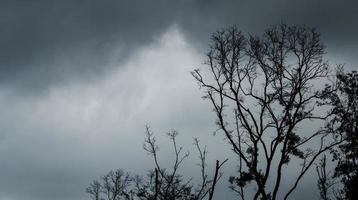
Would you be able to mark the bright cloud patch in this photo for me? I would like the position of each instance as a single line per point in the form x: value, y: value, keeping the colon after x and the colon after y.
x: 58, y: 142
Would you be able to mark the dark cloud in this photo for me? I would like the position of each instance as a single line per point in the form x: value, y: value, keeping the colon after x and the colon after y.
x: 46, y: 42
x: 53, y: 145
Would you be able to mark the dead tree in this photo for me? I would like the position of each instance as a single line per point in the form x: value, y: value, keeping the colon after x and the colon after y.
x: 262, y: 92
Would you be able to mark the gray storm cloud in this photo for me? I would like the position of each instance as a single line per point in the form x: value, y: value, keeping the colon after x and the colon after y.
x: 45, y: 43
x: 52, y: 146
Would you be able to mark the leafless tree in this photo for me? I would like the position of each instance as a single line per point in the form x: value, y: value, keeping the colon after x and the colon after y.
x: 94, y: 190
x: 262, y: 92
x: 113, y: 186
x: 160, y: 183
x: 116, y: 184
x: 169, y: 185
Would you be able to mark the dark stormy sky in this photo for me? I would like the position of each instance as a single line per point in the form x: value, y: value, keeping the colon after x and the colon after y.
x: 79, y: 80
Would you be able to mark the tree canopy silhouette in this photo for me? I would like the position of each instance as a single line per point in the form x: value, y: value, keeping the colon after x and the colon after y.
x: 263, y: 91
x: 345, y: 122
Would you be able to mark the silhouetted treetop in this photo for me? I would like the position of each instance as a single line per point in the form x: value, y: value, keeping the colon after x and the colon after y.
x: 262, y: 92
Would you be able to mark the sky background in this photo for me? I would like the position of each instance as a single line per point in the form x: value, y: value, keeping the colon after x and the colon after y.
x: 79, y: 80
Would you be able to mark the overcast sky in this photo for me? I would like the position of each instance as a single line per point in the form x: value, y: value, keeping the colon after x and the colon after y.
x: 79, y: 80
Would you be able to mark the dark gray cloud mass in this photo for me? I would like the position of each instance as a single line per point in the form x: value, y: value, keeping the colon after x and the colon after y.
x: 49, y: 42
x: 79, y: 80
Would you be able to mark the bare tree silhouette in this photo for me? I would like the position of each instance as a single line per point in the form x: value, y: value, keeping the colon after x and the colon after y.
x: 160, y: 183
x: 262, y: 92
x: 112, y: 186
